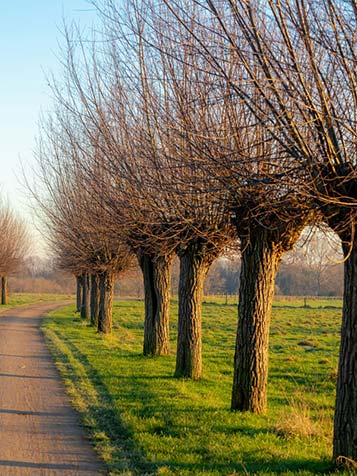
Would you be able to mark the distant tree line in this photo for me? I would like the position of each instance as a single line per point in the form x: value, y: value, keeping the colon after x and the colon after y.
x: 297, y: 276
x: 39, y: 275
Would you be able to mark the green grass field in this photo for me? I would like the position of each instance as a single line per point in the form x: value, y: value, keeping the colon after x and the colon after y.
x: 24, y: 299
x: 145, y: 422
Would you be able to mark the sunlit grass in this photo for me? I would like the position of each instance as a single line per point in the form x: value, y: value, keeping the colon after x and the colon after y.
x: 146, y: 422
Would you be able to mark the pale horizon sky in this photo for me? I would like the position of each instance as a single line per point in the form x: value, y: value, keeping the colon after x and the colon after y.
x: 30, y: 35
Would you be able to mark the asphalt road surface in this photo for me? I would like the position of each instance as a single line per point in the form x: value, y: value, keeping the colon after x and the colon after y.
x: 40, y: 433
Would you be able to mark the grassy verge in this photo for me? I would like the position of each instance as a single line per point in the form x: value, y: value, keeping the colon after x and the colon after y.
x: 145, y: 422
x: 24, y: 299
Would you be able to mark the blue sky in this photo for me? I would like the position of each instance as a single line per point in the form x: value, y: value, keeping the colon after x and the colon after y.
x: 30, y: 34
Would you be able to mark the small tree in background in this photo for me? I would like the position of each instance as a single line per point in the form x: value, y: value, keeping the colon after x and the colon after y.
x: 15, y: 245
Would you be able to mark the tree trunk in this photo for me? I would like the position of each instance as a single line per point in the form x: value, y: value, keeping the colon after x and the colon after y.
x: 262, y: 246
x: 85, y: 307
x: 94, y: 300
x: 157, y: 277
x: 260, y: 261
x: 79, y: 293
x: 345, y: 426
x: 195, y: 261
x: 3, y: 289
x: 147, y: 268
x: 105, y: 316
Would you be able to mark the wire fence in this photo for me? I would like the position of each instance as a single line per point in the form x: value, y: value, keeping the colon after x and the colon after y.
x: 283, y: 301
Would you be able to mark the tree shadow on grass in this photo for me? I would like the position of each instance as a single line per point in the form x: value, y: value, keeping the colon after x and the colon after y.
x: 104, y: 418
x: 129, y: 458
x: 248, y: 466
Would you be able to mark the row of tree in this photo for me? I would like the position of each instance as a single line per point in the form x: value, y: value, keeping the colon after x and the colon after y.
x: 187, y: 127
x: 312, y: 268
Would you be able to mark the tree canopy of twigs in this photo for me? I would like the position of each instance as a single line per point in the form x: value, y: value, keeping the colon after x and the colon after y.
x: 15, y: 245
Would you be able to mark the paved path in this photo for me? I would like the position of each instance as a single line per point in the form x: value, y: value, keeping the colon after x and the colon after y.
x: 39, y: 431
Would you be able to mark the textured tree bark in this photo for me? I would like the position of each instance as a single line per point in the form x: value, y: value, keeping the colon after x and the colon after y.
x: 85, y: 307
x: 157, y: 276
x: 195, y: 261
x: 260, y: 261
x: 94, y: 300
x: 79, y: 293
x: 345, y: 425
x: 147, y: 268
x: 105, y: 316
x: 262, y: 248
x: 3, y: 289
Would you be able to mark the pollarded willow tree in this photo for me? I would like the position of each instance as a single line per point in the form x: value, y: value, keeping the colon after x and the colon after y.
x: 239, y: 165
x: 109, y: 110
x: 300, y: 58
x: 78, y: 229
x: 15, y: 245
